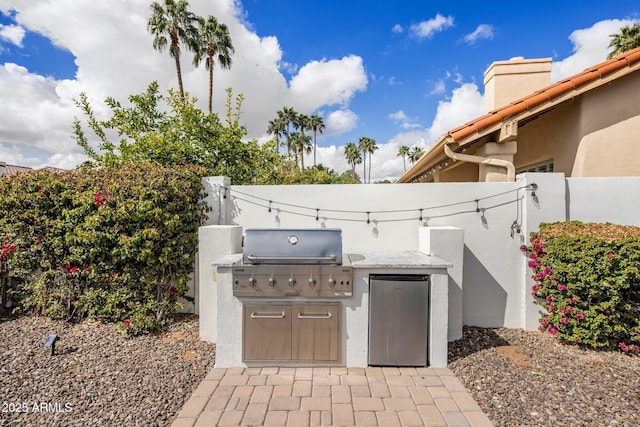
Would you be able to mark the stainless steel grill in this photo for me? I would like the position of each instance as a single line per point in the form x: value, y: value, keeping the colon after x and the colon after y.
x: 293, y: 263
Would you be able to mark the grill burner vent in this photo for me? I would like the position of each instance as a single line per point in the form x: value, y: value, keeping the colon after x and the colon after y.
x: 293, y: 262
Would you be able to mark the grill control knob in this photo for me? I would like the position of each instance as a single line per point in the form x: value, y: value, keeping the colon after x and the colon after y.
x: 252, y: 281
x: 312, y: 282
x: 272, y: 281
x: 292, y: 281
x: 332, y: 282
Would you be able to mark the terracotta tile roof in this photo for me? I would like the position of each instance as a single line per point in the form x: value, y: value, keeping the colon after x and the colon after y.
x: 547, y: 94
x: 13, y: 170
x: 538, y: 98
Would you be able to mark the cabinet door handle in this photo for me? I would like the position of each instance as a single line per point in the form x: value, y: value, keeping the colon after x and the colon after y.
x: 257, y: 315
x: 314, y: 316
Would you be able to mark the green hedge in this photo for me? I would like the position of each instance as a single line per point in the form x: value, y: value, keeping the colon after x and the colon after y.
x: 587, y: 277
x: 110, y: 244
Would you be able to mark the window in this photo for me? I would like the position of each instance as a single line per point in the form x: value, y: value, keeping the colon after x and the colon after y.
x: 540, y: 167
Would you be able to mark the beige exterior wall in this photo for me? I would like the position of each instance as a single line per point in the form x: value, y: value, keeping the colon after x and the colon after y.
x: 506, y: 81
x: 595, y: 134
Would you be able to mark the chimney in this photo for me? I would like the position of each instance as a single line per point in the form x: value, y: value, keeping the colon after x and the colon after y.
x: 507, y: 81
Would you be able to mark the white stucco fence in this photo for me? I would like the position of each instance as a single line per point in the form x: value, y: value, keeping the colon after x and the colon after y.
x: 496, y: 218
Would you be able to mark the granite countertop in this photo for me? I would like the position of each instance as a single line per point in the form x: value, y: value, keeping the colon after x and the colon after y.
x: 403, y: 259
x: 228, y: 260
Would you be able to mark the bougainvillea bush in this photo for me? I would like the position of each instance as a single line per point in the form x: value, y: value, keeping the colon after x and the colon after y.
x: 116, y: 244
x: 587, y: 277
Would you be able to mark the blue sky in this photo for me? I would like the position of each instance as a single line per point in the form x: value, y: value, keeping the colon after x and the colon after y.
x: 401, y: 72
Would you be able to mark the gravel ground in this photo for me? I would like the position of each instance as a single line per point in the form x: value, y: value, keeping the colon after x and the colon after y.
x: 528, y: 379
x: 98, y: 377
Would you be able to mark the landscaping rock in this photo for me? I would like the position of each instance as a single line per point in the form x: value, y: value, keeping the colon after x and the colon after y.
x: 526, y: 378
x: 98, y: 376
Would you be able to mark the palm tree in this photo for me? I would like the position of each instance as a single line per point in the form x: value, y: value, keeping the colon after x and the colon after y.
x: 301, y: 123
x: 628, y: 38
x: 353, y: 156
x: 171, y: 24
x: 287, y: 115
x: 367, y: 145
x: 277, y: 128
x: 403, y: 152
x: 317, y: 125
x: 415, y: 154
x: 301, y: 145
x: 214, y: 43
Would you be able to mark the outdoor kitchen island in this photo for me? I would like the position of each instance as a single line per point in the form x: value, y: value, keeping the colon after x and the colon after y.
x: 224, y: 322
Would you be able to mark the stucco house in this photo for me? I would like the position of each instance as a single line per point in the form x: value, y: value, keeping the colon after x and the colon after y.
x: 13, y: 170
x: 586, y: 125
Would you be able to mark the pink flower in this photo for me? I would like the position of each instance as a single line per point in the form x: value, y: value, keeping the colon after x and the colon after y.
x: 610, y: 255
x: 552, y: 331
x: 524, y: 248
x: 127, y: 323
x: 580, y: 315
x: 99, y: 198
x: 544, y: 273
x: 534, y: 263
x: 562, y: 287
x: 565, y: 320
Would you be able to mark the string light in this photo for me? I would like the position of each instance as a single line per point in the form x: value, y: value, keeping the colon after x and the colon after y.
x: 420, y: 211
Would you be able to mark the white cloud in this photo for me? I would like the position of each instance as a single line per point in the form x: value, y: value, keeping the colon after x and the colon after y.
x: 328, y: 82
x: 397, y: 29
x: 12, y: 33
x: 427, y: 29
x: 466, y: 103
x: 340, y: 121
x: 590, y: 46
x: 114, y: 57
x: 405, y: 121
x: 483, y: 32
x: 438, y: 88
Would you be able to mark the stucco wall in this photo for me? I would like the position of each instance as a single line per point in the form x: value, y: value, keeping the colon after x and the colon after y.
x: 615, y: 200
x: 493, y: 264
x: 495, y: 275
x: 595, y: 134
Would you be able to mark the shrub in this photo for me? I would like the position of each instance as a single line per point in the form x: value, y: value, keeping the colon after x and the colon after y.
x: 102, y: 243
x: 587, y: 277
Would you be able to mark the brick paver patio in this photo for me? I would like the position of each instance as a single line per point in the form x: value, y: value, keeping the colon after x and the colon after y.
x: 331, y: 397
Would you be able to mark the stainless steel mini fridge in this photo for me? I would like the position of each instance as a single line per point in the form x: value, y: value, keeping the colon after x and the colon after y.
x: 398, y: 319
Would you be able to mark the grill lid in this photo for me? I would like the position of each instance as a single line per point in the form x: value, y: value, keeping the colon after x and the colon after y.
x: 316, y: 246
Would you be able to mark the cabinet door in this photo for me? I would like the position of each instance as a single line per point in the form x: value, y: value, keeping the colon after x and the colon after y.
x: 315, y: 332
x: 267, y: 332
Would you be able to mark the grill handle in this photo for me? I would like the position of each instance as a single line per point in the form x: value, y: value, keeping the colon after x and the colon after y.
x: 291, y: 260
x: 257, y: 315
x: 314, y: 316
